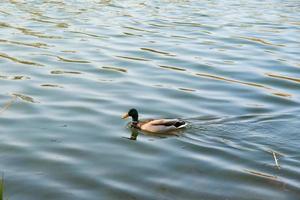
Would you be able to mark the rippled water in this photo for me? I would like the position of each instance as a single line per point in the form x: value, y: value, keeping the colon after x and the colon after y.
x: 69, y: 69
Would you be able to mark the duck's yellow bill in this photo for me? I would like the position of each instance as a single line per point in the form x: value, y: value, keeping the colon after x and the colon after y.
x: 125, y: 116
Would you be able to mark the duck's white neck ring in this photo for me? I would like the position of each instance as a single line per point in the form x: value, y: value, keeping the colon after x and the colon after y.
x: 134, y: 124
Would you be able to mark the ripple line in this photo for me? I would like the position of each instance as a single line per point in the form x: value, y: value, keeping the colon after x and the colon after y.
x: 172, y: 68
x: 156, y: 51
x: 261, y: 41
x: 138, y: 29
x: 25, y: 98
x: 71, y: 60
x: 30, y: 32
x: 51, y: 85
x: 37, y: 44
x: 64, y: 72
x: 67, y: 59
x: 231, y: 80
x: 89, y: 34
x: 16, y: 60
x: 297, y: 80
x: 132, y: 58
x: 20, y: 77
x: 118, y: 69
x: 58, y: 24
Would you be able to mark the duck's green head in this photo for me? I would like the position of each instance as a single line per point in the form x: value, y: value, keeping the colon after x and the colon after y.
x: 132, y: 113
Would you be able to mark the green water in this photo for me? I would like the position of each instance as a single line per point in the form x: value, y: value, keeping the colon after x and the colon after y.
x: 70, y: 69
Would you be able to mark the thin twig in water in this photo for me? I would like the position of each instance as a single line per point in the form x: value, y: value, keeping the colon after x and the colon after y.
x: 8, y: 104
x: 276, y: 152
x: 276, y: 161
x: 260, y: 174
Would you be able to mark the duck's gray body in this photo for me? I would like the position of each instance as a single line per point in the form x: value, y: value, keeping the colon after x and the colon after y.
x: 160, y: 125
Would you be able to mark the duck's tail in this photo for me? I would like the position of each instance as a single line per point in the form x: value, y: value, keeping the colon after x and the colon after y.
x: 180, y: 124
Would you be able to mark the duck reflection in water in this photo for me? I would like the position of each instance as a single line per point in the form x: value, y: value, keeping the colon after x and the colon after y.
x: 134, y: 134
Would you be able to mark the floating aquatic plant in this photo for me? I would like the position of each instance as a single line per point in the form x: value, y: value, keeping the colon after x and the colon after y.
x: 1, y: 188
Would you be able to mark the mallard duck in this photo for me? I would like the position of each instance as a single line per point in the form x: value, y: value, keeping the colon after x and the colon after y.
x: 154, y: 125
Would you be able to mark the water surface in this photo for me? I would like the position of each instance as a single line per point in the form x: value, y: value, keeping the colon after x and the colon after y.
x: 69, y: 69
